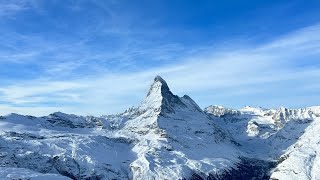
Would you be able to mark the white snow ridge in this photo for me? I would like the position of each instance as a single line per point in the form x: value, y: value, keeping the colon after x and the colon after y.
x: 166, y: 137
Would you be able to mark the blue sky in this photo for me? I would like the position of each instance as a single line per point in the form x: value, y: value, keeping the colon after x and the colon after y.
x: 100, y: 57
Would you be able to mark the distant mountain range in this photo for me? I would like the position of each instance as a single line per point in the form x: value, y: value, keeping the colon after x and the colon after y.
x: 165, y: 137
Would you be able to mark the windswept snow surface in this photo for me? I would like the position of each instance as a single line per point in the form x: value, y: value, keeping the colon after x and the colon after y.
x: 165, y: 137
x: 21, y: 173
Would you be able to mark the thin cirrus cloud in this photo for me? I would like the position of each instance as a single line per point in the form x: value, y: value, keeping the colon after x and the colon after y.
x: 9, y: 8
x: 281, y: 72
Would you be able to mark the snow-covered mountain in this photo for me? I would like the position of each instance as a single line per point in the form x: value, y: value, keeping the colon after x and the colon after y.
x: 165, y: 137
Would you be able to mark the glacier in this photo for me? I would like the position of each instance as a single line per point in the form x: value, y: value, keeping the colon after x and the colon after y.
x: 165, y: 137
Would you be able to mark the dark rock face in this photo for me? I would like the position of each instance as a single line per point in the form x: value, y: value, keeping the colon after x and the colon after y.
x: 70, y: 121
x: 23, y: 136
x: 250, y: 169
x: 246, y: 169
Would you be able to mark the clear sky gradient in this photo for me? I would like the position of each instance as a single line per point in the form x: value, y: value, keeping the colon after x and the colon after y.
x: 99, y: 57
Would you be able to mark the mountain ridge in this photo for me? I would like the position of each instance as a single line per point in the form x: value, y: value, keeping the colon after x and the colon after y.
x: 165, y: 137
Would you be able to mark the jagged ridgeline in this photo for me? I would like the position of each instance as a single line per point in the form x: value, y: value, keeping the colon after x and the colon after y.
x: 165, y: 137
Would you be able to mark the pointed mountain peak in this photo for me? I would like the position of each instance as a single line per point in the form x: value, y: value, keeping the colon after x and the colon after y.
x: 160, y: 97
x: 159, y: 82
x: 160, y: 87
x: 159, y: 79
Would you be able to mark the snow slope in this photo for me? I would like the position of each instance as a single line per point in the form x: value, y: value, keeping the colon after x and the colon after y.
x: 21, y: 173
x: 302, y: 159
x: 176, y: 138
x: 76, y: 152
x: 289, y: 137
x: 165, y: 137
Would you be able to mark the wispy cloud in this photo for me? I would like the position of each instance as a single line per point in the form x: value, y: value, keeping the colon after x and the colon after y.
x: 11, y: 7
x: 30, y: 93
x: 106, y: 63
x: 272, y: 69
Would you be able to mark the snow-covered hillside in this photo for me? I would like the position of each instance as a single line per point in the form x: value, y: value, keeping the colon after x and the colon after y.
x: 165, y: 137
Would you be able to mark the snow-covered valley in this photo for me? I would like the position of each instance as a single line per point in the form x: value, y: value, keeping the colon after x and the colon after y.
x: 165, y: 137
